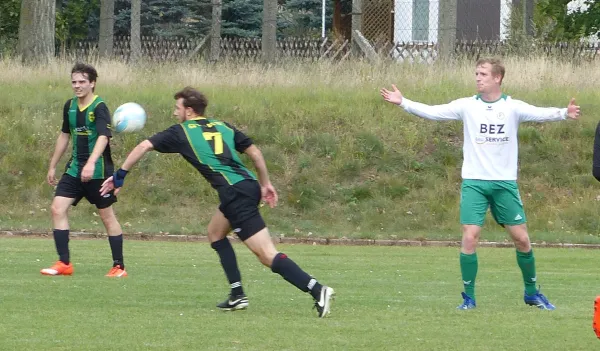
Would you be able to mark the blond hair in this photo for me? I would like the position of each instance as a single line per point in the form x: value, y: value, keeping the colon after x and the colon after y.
x: 497, y: 66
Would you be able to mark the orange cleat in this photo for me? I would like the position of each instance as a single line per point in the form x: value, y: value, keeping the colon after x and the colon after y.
x: 59, y: 268
x: 116, y: 272
x: 596, y: 323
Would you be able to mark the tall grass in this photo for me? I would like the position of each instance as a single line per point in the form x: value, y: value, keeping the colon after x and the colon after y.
x: 345, y: 163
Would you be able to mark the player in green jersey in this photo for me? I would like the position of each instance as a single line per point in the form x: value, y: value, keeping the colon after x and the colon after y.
x: 86, y: 123
x: 210, y: 146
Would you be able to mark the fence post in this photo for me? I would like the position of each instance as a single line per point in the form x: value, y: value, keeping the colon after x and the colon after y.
x: 446, y: 28
x: 269, y: 31
x: 357, y: 17
x: 215, y: 31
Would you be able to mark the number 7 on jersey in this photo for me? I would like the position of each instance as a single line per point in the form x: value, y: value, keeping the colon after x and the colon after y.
x: 217, y: 139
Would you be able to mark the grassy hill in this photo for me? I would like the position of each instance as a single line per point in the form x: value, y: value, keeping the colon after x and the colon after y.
x: 346, y: 164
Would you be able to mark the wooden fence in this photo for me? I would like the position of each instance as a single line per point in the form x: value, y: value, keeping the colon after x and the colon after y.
x: 314, y: 49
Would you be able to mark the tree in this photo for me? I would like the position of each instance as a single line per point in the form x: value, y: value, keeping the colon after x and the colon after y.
x: 136, y: 43
x: 107, y: 21
x: 76, y: 20
x: 242, y: 18
x: 166, y: 18
x: 36, y: 30
x: 269, y: 30
x: 553, y: 19
x: 9, y: 19
x: 305, y: 16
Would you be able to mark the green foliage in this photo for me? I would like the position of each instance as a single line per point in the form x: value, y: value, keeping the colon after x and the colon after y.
x: 9, y: 19
x: 242, y: 18
x: 304, y: 17
x: 553, y: 19
x: 165, y: 18
x: 76, y: 20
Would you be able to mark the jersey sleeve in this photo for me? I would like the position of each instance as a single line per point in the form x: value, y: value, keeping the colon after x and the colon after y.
x: 530, y: 113
x: 242, y: 141
x: 102, y: 120
x: 65, y: 124
x: 167, y: 141
x: 450, y: 111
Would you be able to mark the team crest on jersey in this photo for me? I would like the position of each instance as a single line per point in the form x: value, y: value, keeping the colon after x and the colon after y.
x: 92, y: 116
x: 501, y: 116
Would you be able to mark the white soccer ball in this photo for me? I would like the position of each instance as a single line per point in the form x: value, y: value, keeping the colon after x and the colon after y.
x: 129, y: 117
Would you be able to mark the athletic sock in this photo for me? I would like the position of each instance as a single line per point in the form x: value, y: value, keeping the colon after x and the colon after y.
x: 61, y: 240
x: 526, y: 262
x: 468, y: 269
x: 290, y: 271
x: 116, y: 246
x: 229, y: 263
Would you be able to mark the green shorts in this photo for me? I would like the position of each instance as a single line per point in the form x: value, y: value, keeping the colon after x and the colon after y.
x: 501, y: 196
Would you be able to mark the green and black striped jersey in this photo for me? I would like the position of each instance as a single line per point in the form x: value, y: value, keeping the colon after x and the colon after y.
x: 210, y: 146
x: 85, y: 125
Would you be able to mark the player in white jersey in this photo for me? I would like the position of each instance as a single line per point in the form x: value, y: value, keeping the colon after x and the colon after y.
x: 489, y: 171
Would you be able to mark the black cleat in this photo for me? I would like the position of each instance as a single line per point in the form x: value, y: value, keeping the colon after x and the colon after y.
x: 234, y: 303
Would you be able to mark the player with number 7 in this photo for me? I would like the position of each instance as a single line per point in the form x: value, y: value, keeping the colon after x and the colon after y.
x: 210, y: 146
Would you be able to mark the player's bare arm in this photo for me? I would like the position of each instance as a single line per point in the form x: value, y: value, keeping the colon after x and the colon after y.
x: 394, y: 96
x: 134, y: 156
x: 62, y: 142
x: 269, y: 193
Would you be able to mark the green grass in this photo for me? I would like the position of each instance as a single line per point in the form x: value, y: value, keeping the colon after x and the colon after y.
x: 345, y: 163
x: 388, y: 298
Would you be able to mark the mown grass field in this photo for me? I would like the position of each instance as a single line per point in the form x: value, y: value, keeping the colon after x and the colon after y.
x: 346, y: 164
x: 388, y: 298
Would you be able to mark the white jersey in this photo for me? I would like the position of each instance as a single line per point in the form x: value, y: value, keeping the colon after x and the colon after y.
x: 490, y: 146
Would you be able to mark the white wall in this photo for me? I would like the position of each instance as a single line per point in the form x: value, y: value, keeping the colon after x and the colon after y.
x: 403, y: 20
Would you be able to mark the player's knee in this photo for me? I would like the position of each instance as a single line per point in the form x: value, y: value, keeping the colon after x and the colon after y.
x: 266, y: 258
x: 522, y: 243
x: 58, y: 211
x: 220, y: 245
x: 107, y: 215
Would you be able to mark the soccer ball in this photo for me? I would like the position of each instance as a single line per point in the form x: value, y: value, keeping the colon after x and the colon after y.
x: 129, y: 117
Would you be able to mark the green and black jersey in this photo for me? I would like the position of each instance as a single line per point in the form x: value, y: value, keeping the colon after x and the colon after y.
x: 210, y: 146
x: 85, y: 125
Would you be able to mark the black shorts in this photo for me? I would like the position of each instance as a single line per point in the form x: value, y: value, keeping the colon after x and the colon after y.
x: 239, y: 204
x: 74, y: 188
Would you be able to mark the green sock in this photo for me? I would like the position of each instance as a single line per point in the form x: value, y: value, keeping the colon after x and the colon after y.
x: 468, y: 269
x: 526, y: 262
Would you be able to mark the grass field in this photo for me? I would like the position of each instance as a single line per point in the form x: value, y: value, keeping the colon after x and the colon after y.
x: 387, y: 299
x: 345, y: 163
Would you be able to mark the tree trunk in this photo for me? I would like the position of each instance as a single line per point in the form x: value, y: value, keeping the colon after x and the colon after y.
x: 447, y: 29
x: 136, y: 40
x: 107, y: 22
x: 269, y: 30
x: 36, y: 30
x: 215, y: 31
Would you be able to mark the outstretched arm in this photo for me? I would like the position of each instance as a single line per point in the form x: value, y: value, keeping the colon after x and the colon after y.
x: 530, y: 113
x: 116, y: 181
x: 269, y: 194
x: 451, y: 111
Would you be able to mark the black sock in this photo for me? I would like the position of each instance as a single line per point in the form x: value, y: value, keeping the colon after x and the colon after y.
x: 229, y: 262
x: 116, y: 246
x: 290, y: 271
x: 61, y: 240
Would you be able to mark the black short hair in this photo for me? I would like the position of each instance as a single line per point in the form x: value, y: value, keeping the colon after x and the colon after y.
x: 84, y: 68
x: 193, y: 98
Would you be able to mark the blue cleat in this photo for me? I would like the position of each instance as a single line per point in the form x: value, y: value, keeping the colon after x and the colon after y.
x: 468, y: 303
x: 539, y: 300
